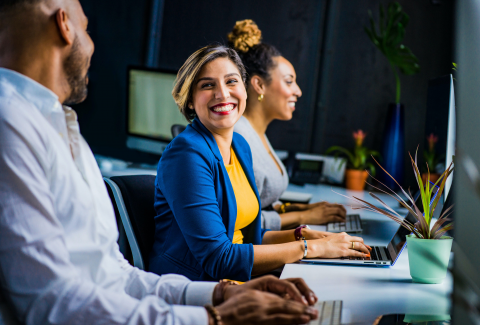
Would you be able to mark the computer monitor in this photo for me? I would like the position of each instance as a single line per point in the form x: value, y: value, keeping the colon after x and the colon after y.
x: 451, y: 137
x: 441, y: 121
x: 151, y: 110
x: 466, y: 290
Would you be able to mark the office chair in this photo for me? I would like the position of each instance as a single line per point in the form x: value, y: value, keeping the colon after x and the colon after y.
x: 133, y: 197
x: 177, y: 129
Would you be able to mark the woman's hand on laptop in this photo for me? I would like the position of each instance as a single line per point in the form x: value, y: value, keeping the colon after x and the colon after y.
x: 315, y: 234
x: 337, y: 245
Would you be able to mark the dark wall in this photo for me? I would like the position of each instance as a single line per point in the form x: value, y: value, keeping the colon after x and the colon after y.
x: 357, y: 81
x: 346, y: 82
x: 119, y: 32
x: 296, y: 30
x: 188, y: 25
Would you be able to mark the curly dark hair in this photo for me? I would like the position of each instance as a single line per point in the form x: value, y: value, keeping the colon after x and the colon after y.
x: 257, y: 57
x: 183, y: 88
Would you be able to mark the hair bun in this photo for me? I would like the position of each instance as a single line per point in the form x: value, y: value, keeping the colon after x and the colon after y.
x: 245, y: 35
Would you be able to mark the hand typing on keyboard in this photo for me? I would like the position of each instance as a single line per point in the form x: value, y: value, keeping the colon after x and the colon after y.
x: 337, y: 245
x: 315, y: 234
x: 321, y: 213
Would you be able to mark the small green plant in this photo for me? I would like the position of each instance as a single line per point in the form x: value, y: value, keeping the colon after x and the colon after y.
x: 357, y: 158
x: 429, y: 154
x: 421, y: 229
x: 391, y: 31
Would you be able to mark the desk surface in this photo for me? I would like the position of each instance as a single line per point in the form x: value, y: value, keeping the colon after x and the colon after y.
x: 368, y: 292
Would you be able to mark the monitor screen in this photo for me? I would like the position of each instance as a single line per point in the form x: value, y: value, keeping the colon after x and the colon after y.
x: 151, y: 109
x: 440, y: 122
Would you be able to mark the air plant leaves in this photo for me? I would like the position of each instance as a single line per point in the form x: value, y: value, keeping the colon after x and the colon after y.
x: 422, y: 227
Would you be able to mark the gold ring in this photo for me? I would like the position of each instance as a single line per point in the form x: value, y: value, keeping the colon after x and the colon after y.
x: 353, y: 245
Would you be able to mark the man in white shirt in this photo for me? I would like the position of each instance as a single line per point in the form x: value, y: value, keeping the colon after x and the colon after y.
x: 59, y: 260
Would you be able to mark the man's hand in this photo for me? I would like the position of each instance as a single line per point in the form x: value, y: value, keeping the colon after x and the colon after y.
x: 294, y: 288
x: 257, y: 307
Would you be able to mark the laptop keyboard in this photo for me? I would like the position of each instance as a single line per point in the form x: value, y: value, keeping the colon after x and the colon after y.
x: 352, y: 224
x: 329, y: 313
x: 377, y: 254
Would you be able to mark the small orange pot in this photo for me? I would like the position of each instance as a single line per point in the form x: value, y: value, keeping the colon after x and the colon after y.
x: 433, y: 177
x: 355, y: 179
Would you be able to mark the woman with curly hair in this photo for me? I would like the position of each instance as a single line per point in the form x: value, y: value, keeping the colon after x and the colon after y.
x: 272, y: 94
x: 207, y: 203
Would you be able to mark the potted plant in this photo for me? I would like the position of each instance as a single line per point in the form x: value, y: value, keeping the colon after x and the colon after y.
x: 431, y: 158
x: 388, y: 38
x: 356, y: 174
x: 428, y: 248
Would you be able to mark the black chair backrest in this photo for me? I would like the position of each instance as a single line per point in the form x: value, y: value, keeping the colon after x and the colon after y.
x: 177, y: 129
x: 138, y: 193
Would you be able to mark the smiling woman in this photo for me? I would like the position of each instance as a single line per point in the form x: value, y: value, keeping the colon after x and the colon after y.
x: 273, y: 92
x: 208, y: 207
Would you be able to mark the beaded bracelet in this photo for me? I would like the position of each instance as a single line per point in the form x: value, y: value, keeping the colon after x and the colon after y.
x: 219, y: 291
x: 283, y: 206
x: 214, y: 313
x: 306, y: 249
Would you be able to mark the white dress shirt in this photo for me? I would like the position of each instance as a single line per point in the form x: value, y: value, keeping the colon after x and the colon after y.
x: 59, y: 258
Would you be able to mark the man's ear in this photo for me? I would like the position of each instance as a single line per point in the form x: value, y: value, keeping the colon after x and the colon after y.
x: 65, y: 27
x: 258, y: 84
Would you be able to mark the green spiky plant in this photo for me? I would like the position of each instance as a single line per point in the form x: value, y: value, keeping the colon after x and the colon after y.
x: 422, y: 228
x: 356, y: 158
x: 391, y: 31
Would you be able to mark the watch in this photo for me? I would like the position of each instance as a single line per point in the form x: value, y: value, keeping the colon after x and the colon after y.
x: 298, y: 232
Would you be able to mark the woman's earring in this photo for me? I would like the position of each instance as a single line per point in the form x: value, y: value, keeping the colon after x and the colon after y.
x: 260, y: 97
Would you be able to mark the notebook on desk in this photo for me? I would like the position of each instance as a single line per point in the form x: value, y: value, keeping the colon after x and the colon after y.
x: 295, y: 197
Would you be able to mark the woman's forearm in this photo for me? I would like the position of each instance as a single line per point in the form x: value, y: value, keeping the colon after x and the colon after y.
x: 291, y: 220
x: 278, y: 237
x: 270, y: 257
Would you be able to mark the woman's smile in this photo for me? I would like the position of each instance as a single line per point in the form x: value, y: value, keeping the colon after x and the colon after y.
x: 223, y: 108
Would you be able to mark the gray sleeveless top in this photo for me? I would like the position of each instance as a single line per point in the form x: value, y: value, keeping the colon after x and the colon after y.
x: 270, y: 182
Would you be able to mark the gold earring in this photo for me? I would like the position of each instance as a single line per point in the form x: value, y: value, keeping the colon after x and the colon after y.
x: 260, y: 97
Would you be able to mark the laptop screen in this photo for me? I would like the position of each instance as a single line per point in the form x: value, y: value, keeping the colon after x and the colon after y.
x: 398, y: 241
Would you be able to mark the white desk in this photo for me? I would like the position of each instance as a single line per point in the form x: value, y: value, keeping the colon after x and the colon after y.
x: 368, y: 292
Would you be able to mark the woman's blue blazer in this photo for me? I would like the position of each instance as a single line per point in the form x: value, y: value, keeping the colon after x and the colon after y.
x: 196, y: 210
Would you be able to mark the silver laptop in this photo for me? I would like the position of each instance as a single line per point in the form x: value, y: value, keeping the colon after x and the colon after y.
x: 352, y: 223
x: 380, y: 255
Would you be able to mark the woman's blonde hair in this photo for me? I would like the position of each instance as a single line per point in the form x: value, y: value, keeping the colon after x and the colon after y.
x: 183, y: 88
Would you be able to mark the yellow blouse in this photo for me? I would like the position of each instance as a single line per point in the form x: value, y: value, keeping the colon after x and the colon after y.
x: 247, y: 202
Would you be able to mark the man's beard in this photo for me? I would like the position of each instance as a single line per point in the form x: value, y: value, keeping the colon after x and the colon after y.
x: 74, y: 69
